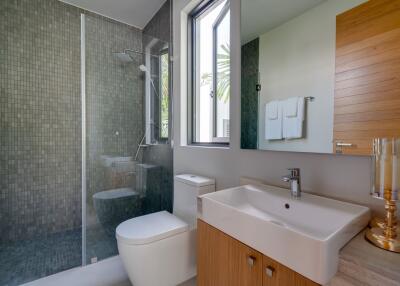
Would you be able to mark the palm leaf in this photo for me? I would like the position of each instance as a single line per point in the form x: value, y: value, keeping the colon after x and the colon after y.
x: 223, y: 74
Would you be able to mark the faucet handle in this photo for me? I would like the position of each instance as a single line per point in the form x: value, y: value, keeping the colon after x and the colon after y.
x: 294, y: 172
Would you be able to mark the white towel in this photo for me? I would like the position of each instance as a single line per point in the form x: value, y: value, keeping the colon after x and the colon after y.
x: 273, y: 120
x: 291, y: 106
x: 272, y: 109
x: 293, y: 125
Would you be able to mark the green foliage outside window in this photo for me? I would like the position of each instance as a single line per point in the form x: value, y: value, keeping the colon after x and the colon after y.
x: 223, y: 74
x: 164, y: 96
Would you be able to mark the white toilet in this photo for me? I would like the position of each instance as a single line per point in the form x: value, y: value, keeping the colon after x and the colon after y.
x: 159, y: 249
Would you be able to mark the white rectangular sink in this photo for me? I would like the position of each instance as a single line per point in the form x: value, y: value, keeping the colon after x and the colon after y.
x: 303, y: 234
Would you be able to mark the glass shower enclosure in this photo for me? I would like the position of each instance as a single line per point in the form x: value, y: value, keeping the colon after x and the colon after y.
x: 85, y: 125
x: 126, y: 95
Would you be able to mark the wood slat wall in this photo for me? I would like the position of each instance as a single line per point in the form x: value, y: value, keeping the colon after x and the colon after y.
x: 367, y: 76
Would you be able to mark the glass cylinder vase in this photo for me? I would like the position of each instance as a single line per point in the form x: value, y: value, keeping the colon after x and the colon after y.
x: 386, y: 168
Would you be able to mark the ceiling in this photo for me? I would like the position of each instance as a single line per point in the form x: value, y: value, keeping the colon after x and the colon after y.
x: 132, y: 12
x: 260, y: 16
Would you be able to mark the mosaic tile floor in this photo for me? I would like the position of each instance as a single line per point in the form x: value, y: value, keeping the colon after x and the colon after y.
x: 28, y: 260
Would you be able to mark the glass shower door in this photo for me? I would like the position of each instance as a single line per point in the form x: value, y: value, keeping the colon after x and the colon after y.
x: 128, y: 155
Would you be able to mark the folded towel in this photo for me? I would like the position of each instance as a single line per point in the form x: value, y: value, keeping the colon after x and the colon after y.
x: 293, y: 125
x: 272, y: 109
x: 273, y: 120
x: 290, y: 107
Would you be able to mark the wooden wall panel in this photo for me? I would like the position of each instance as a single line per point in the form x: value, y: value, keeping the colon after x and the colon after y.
x: 367, y: 20
x: 367, y: 77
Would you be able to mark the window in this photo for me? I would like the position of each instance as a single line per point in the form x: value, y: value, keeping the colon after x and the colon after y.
x: 164, y: 95
x: 157, y: 95
x: 210, y: 73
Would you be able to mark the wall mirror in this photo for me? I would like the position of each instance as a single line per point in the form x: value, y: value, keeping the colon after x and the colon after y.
x: 319, y: 76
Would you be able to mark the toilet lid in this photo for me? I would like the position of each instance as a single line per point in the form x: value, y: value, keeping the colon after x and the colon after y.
x: 149, y: 228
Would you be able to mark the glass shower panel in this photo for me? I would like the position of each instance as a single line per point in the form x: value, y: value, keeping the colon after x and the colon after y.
x: 128, y: 174
x: 40, y: 139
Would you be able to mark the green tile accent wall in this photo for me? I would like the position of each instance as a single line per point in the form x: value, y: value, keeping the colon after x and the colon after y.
x: 249, y: 95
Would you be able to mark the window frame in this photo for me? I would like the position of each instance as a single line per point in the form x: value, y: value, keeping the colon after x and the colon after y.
x: 216, y: 24
x: 192, y: 52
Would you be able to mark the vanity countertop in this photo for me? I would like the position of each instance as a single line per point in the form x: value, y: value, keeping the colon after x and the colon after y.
x: 361, y: 263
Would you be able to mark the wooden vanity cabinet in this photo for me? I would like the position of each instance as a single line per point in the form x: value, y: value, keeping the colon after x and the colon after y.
x: 282, y: 275
x: 225, y: 261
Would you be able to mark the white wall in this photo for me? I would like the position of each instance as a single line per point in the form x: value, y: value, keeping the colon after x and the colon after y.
x: 297, y: 58
x: 344, y: 177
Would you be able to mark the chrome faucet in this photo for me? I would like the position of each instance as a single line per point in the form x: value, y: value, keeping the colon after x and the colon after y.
x: 294, y: 179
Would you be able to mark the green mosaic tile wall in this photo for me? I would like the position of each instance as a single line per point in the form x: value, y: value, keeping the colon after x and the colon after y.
x: 249, y: 95
x: 162, y: 154
x: 39, y: 118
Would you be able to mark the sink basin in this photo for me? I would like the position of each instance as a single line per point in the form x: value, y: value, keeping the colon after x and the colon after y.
x: 304, y: 234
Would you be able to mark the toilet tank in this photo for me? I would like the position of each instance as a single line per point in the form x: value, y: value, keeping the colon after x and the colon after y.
x: 187, y: 187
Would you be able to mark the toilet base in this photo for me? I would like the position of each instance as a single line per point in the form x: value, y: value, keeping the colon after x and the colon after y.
x: 166, y: 262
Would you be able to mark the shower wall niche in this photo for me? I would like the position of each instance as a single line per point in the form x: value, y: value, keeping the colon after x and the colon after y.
x: 44, y: 226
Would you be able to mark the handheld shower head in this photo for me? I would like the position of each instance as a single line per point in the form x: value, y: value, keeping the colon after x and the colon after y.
x: 143, y: 68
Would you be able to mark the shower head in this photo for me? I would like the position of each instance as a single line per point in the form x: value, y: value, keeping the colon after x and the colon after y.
x: 143, y: 68
x: 123, y: 57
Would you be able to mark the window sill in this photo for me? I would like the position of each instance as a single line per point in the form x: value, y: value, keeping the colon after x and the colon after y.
x: 209, y: 146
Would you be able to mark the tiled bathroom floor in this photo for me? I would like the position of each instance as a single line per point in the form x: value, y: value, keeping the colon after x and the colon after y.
x: 32, y: 259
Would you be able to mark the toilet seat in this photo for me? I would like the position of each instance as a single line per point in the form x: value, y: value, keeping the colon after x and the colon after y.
x: 150, y: 228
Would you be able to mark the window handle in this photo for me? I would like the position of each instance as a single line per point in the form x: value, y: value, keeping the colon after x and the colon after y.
x: 211, y: 93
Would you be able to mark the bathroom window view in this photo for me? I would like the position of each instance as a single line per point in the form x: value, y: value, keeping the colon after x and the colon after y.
x: 164, y: 108
x: 78, y: 152
x: 211, y: 73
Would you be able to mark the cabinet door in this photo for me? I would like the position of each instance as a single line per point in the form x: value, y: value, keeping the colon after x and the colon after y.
x: 367, y: 77
x: 224, y: 261
x: 275, y: 274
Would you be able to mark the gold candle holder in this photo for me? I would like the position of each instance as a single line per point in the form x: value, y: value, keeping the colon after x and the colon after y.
x: 384, y: 233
